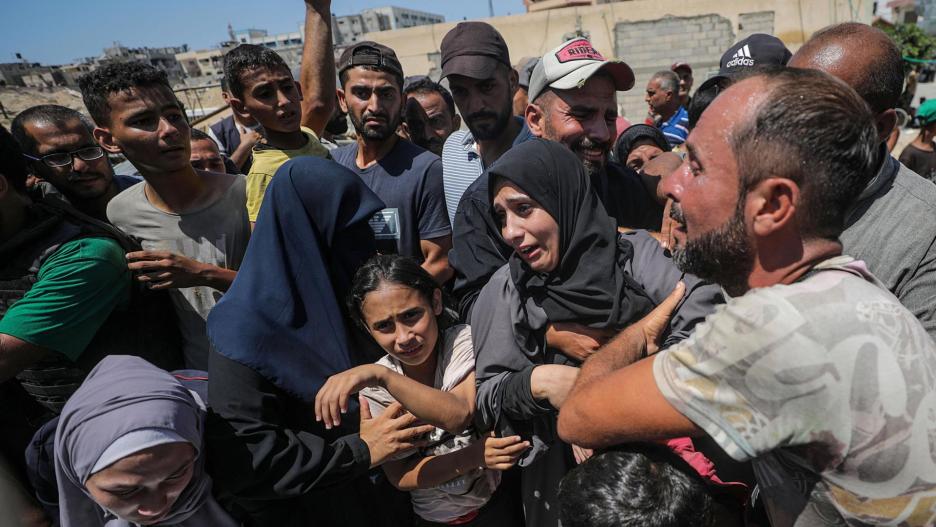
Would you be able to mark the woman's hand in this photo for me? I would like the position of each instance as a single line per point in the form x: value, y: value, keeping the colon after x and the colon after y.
x: 332, y: 400
x: 499, y: 453
x: 581, y: 454
x: 576, y: 341
x: 552, y: 382
x: 655, y: 323
x: 390, y: 433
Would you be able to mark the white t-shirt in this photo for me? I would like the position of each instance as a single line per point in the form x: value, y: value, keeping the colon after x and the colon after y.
x: 463, y: 494
x: 829, y: 386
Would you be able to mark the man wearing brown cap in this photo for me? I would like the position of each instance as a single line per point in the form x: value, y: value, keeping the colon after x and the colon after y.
x: 406, y: 177
x: 476, y: 63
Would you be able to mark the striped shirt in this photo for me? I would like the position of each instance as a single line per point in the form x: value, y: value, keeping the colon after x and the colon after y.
x: 462, y: 164
x: 676, y: 129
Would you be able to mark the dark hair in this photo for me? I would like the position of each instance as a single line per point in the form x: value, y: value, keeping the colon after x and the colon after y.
x: 704, y: 96
x: 395, y: 269
x: 12, y: 162
x: 882, y: 79
x: 198, y: 135
x: 58, y: 116
x: 816, y: 131
x: 98, y: 85
x: 668, y: 80
x: 426, y: 85
x: 635, y: 485
x: 248, y: 57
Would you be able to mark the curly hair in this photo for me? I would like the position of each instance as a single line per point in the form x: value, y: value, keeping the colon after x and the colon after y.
x: 116, y: 77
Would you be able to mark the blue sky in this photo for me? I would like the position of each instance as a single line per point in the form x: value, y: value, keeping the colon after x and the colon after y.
x: 59, y: 31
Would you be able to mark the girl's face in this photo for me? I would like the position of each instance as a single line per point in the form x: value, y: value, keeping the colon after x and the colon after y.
x: 403, y: 322
x: 527, y: 227
x: 142, y: 487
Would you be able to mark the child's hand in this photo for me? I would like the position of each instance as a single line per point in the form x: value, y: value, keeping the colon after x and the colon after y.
x: 501, y: 453
x: 332, y: 400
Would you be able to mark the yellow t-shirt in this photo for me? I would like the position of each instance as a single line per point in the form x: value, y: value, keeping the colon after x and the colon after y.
x: 267, y: 159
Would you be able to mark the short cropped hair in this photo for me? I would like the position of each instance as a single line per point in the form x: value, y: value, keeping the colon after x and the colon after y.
x: 426, y: 85
x: 12, y: 163
x: 668, y: 80
x: 99, y: 84
x: 198, y: 135
x: 53, y: 114
x: 248, y: 57
x: 881, y: 84
x: 635, y: 485
x: 816, y: 131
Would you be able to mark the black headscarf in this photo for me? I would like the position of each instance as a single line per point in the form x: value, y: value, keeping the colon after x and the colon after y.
x: 590, y: 284
x: 281, y: 317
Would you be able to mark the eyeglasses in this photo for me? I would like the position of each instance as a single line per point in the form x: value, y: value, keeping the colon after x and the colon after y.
x: 61, y: 159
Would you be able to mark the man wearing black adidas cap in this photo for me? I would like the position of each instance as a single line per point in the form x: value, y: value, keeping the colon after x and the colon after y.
x: 407, y: 178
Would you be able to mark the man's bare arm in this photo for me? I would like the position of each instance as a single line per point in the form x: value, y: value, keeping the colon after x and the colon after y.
x: 16, y: 355
x: 435, y: 258
x: 317, y: 73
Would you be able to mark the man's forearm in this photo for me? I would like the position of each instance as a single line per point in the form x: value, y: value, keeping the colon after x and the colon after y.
x: 241, y: 154
x: 439, y: 269
x: 625, y: 349
x: 16, y: 355
x: 219, y: 277
x: 317, y: 74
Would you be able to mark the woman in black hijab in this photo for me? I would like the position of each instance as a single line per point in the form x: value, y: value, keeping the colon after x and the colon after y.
x: 277, y: 335
x: 569, y: 265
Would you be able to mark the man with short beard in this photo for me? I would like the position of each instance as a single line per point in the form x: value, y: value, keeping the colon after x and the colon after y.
x: 64, y: 155
x: 573, y: 101
x: 813, y: 371
x: 407, y: 178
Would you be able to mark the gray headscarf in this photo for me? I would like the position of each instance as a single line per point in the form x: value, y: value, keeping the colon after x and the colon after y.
x: 124, y: 394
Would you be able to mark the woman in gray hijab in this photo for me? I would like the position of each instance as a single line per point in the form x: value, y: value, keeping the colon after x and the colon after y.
x: 129, y: 451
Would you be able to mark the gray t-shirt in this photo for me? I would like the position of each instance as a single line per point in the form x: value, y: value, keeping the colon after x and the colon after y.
x: 829, y: 386
x: 216, y: 234
x: 892, y: 228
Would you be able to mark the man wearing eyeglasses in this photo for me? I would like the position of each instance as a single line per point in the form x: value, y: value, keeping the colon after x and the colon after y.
x: 61, y: 151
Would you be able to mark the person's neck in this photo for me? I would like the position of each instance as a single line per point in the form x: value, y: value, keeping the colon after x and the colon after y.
x: 492, y: 149
x: 285, y: 140
x: 97, y: 207
x: 175, y: 192
x: 789, y: 260
x: 371, y: 151
x: 924, y: 141
x: 240, y: 120
x: 423, y: 373
x: 667, y: 113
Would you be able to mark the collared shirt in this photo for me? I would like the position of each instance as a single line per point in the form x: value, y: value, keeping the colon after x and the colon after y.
x: 462, y: 164
x: 676, y: 128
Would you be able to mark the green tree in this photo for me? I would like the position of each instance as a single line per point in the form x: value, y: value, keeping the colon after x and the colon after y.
x: 911, y: 40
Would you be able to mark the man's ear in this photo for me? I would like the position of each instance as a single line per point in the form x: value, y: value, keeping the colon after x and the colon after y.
x: 536, y: 119
x: 514, y: 82
x: 885, y: 123
x: 437, y: 302
x: 774, y: 202
x: 299, y: 89
x: 237, y: 106
x: 456, y: 123
x: 342, y: 101
x: 106, y: 139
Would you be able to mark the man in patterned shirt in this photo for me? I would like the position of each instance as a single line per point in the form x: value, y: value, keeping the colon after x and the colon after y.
x: 814, y: 372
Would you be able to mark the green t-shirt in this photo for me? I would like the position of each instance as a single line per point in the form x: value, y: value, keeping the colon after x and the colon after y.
x: 77, y: 289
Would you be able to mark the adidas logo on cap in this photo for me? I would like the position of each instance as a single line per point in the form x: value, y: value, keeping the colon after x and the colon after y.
x: 742, y: 58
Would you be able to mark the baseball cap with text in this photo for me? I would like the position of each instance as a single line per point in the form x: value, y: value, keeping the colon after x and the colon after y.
x: 572, y: 64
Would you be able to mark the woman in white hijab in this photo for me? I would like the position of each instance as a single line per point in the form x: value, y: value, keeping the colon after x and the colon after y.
x: 129, y: 451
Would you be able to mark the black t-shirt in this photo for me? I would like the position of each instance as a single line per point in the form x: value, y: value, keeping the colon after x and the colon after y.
x: 409, y: 182
x: 920, y: 161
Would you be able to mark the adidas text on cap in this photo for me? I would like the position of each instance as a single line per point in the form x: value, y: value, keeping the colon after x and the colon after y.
x: 572, y: 64
x: 754, y: 51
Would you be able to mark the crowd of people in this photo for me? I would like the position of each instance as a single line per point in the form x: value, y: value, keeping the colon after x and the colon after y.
x: 498, y: 304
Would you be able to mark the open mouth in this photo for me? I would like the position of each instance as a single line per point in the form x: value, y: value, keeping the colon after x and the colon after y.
x: 530, y: 252
x: 409, y: 352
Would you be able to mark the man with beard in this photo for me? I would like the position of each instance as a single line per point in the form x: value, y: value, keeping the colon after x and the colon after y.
x: 407, y: 178
x: 892, y: 225
x: 663, y: 99
x: 63, y: 154
x: 476, y: 63
x: 813, y: 371
x: 431, y: 109
x: 573, y: 101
